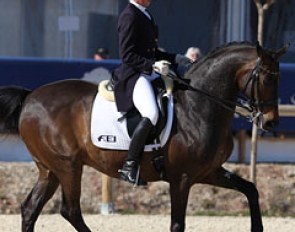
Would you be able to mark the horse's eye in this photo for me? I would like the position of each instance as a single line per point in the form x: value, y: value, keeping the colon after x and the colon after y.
x: 268, y: 80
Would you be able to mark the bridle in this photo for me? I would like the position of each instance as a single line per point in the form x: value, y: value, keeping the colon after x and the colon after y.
x: 254, y: 78
x: 253, y: 106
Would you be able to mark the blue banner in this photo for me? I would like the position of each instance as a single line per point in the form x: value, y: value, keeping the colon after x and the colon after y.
x: 34, y: 72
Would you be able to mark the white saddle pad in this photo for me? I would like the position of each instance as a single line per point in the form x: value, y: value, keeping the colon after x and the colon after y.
x: 109, y: 133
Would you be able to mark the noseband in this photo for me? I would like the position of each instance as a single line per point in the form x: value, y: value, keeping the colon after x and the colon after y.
x: 256, y: 104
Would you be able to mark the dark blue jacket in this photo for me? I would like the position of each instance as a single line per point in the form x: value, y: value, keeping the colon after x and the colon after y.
x: 138, y: 49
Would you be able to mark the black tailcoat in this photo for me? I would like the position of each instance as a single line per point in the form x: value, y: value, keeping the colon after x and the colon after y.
x: 138, y: 49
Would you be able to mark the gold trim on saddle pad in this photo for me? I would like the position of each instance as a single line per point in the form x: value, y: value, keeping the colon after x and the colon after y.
x: 104, y: 92
x: 169, y: 83
x: 109, y: 94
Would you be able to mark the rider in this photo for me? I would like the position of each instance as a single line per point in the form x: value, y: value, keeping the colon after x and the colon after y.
x: 138, y: 51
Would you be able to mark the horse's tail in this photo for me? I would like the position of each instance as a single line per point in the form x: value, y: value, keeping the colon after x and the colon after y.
x: 11, y: 102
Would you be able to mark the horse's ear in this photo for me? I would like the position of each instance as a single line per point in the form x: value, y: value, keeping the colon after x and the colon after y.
x: 259, y: 49
x: 281, y: 51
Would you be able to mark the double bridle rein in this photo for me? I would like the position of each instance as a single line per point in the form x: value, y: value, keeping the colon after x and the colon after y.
x: 257, y: 104
x: 253, y: 105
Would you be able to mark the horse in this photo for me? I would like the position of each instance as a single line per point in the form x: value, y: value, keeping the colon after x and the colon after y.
x: 54, y: 123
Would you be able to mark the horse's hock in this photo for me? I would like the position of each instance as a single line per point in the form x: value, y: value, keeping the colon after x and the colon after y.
x: 275, y: 185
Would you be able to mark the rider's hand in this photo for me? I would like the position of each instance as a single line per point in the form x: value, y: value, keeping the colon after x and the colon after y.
x: 183, y: 61
x: 162, y: 67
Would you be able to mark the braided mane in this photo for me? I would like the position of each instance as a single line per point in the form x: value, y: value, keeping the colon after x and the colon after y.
x: 234, y: 43
x: 217, y: 49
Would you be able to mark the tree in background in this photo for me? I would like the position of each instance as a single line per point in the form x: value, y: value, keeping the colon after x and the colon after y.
x: 261, y: 9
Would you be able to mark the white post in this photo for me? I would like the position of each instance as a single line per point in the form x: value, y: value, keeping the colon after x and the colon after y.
x: 253, y: 152
x: 261, y: 9
x: 107, y: 202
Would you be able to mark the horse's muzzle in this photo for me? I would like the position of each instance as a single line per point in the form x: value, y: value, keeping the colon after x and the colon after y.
x: 268, y: 121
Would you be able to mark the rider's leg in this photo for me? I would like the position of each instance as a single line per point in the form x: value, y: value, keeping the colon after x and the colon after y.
x: 144, y: 101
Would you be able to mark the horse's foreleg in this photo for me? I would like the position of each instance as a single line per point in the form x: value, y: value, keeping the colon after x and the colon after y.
x: 71, y: 192
x: 39, y: 195
x: 179, y: 191
x: 226, y: 179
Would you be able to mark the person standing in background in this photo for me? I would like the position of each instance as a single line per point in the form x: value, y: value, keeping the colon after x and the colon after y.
x: 101, y: 54
x: 100, y: 73
x: 193, y: 53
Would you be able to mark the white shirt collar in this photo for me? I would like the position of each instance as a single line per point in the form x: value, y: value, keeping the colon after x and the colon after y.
x: 142, y: 8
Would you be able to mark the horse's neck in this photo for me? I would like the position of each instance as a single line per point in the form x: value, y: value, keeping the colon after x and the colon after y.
x: 215, y: 76
x: 217, y: 79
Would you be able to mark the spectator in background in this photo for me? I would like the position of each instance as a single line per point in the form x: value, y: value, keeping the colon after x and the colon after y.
x: 101, y: 54
x: 193, y: 53
x: 100, y: 73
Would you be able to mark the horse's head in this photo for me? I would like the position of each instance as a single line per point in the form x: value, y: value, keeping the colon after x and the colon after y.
x: 260, y: 85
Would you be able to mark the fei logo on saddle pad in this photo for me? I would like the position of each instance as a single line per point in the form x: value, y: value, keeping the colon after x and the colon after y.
x: 108, y: 132
x: 107, y: 138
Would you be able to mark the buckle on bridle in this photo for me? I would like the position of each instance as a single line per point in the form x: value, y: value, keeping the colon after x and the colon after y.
x: 255, y: 115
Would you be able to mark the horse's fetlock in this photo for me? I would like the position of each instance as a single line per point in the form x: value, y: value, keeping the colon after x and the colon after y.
x: 177, y: 227
x: 259, y: 229
x: 70, y: 214
x: 64, y: 213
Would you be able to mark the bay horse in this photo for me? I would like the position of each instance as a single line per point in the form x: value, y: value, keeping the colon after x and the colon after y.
x: 54, y: 123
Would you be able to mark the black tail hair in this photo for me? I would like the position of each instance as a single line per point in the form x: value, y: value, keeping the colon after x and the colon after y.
x: 11, y: 102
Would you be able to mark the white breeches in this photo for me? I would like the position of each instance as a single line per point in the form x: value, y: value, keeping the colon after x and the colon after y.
x: 144, y: 98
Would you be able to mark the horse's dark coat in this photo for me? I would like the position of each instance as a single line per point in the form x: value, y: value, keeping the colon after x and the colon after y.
x: 54, y: 123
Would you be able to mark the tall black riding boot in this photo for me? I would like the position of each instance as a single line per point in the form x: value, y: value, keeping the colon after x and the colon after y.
x: 139, y: 137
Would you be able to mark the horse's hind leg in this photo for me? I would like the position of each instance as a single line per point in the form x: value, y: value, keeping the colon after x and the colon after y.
x: 71, y: 192
x: 39, y: 195
x: 226, y: 179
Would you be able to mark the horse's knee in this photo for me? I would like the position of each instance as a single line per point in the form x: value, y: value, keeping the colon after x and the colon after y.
x: 246, y: 187
x: 251, y: 191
